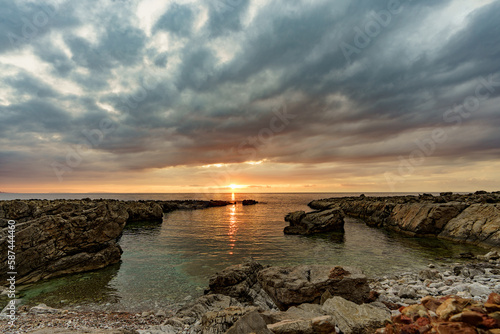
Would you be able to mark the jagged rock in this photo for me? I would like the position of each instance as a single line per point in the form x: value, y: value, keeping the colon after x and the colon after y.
x: 478, y: 224
x: 65, y: 237
x: 423, y: 218
x: 143, y: 211
x: 352, y: 318
x: 473, y: 218
x: 251, y: 322
x: 291, y: 286
x: 331, y: 220
x: 240, y: 282
x: 59, y: 237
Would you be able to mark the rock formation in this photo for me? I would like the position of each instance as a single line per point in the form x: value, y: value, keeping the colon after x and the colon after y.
x: 329, y: 220
x: 59, y: 237
x: 472, y: 218
x: 285, y: 287
x: 62, y: 237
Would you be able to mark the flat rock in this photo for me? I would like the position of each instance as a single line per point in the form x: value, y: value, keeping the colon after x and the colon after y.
x: 356, y: 319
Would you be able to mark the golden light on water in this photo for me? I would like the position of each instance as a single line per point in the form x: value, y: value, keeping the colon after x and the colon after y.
x: 233, y: 227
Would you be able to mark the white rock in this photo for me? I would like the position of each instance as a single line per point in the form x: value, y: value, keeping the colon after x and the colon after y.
x: 477, y: 289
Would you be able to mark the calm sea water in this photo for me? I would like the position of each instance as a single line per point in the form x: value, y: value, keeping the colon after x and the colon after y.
x: 170, y: 263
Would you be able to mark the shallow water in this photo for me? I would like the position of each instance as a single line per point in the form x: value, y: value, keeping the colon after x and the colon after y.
x: 172, y: 262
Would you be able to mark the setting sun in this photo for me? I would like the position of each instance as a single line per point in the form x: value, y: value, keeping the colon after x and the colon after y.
x: 235, y: 186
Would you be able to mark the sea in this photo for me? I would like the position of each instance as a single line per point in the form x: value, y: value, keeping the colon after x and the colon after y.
x: 168, y: 265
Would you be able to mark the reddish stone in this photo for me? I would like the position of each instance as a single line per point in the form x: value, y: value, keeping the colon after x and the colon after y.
x: 405, y: 319
x: 492, y: 307
x: 423, y: 321
x: 431, y: 303
x: 338, y: 273
x: 472, y: 318
x: 455, y: 328
x: 410, y: 329
x: 372, y: 296
x: 490, y: 323
x: 494, y: 298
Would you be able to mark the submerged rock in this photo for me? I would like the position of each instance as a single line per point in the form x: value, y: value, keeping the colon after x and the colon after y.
x: 331, y: 220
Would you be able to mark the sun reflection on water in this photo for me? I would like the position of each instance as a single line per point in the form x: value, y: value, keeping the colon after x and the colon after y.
x: 233, y: 227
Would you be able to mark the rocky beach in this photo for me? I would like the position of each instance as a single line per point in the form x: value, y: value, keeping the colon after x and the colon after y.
x: 67, y: 236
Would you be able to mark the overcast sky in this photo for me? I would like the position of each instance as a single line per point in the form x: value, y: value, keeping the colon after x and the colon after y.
x: 271, y: 96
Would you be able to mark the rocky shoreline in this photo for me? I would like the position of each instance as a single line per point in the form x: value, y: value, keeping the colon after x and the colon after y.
x: 251, y: 298
x: 60, y: 237
x: 469, y: 218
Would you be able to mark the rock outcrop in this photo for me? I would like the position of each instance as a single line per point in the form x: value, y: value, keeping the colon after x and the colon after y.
x: 291, y: 286
x: 63, y: 237
x: 59, y: 237
x: 472, y: 218
x: 330, y: 220
x: 240, y: 282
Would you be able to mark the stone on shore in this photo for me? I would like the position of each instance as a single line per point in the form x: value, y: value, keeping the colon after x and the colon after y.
x: 351, y: 318
x: 331, y: 220
x: 291, y: 286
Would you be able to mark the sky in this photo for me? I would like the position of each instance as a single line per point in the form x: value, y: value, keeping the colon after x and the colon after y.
x: 249, y: 96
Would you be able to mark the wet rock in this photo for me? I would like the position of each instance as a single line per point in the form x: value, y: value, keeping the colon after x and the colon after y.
x: 291, y: 286
x: 331, y: 220
x: 352, y: 318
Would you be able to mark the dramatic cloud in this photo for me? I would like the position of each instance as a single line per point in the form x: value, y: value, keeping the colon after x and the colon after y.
x: 299, y: 95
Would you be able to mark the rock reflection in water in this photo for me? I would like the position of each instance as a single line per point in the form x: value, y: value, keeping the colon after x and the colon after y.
x: 89, y: 289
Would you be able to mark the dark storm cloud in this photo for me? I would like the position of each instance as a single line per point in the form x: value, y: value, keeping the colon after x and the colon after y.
x: 213, y: 90
x: 177, y: 19
x: 225, y: 16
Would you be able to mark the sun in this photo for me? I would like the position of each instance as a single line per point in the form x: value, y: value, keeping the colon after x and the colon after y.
x: 235, y: 186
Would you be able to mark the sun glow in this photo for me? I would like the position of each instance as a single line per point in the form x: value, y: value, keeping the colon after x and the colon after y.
x: 235, y: 186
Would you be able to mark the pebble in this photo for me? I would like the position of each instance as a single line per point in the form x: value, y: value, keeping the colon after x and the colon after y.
x: 475, y: 281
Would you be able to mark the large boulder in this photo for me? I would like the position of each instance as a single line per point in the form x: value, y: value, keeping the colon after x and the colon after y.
x: 351, y: 318
x: 64, y: 238
x: 291, y: 286
x: 240, y: 282
x: 478, y: 224
x: 331, y: 220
